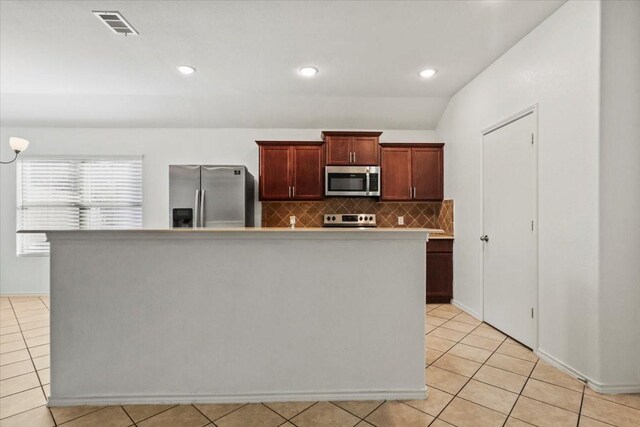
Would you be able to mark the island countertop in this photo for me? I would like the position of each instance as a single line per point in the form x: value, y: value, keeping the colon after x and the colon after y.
x: 328, y: 233
x: 249, y: 230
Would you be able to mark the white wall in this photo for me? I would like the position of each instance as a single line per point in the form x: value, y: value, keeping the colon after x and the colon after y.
x: 620, y: 194
x: 557, y: 67
x: 160, y: 148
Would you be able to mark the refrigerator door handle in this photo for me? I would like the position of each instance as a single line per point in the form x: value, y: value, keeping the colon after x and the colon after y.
x: 201, y: 208
x: 195, y: 210
x: 213, y: 168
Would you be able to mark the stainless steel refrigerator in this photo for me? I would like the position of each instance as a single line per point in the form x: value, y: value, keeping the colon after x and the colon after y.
x: 210, y: 196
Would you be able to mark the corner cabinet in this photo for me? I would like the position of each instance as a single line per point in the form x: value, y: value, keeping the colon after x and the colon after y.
x: 439, y: 271
x: 412, y: 172
x: 291, y: 170
x: 345, y: 148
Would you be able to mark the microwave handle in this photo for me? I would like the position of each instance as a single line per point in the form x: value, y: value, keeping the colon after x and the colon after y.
x: 368, y: 182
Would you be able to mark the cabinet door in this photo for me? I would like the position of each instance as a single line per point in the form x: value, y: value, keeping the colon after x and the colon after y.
x: 365, y: 150
x: 439, y: 277
x: 307, y: 172
x: 338, y: 150
x: 395, y: 169
x: 275, y: 172
x: 427, y: 169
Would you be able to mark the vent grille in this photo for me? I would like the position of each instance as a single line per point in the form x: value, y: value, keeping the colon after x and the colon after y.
x: 116, y: 23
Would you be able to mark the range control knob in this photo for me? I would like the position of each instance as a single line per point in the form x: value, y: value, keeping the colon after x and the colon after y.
x: 333, y: 218
x: 360, y: 218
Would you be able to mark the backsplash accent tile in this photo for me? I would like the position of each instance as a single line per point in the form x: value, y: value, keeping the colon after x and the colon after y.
x: 309, y: 214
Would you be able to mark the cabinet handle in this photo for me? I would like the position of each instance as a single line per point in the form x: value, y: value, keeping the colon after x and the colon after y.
x: 354, y: 157
x: 411, y: 192
x: 294, y: 191
x: 414, y: 192
x: 289, y: 191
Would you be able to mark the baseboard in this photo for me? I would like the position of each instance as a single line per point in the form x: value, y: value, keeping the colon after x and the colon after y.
x: 27, y: 294
x: 614, y: 388
x: 592, y: 384
x: 419, y: 394
x: 561, y: 365
x: 466, y: 309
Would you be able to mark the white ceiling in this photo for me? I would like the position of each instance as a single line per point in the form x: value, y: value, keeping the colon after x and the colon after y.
x: 60, y: 66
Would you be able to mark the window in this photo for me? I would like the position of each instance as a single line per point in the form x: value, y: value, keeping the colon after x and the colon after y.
x: 56, y: 193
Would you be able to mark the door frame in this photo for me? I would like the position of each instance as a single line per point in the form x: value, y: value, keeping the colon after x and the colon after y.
x: 502, y: 123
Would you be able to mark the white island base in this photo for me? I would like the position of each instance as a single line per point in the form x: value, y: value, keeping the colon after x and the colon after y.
x: 247, y: 315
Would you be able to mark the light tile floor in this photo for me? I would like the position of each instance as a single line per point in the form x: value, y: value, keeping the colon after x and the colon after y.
x: 476, y: 376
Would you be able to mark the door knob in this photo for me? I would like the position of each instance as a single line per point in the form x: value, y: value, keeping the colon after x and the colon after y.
x: 484, y: 238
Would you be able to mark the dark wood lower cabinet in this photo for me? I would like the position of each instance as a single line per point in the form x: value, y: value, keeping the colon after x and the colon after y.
x: 439, y: 271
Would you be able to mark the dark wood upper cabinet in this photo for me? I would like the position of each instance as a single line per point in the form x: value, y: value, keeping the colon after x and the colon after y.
x: 395, y: 169
x: 275, y: 179
x: 307, y: 177
x: 412, y: 171
x: 291, y: 170
x: 365, y: 150
x: 351, y: 148
x: 338, y: 150
x: 427, y: 169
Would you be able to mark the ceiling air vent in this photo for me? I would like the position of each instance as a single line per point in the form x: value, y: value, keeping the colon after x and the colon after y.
x: 116, y: 23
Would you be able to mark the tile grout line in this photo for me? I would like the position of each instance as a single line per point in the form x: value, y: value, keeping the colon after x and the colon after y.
x: 581, y: 403
x: 304, y: 410
x: 502, y: 369
x: 495, y: 367
x: 374, y: 410
x: 242, y: 405
x: 485, y: 363
x: 127, y: 413
x: 33, y: 364
x: 198, y: 410
x: 360, y: 419
x: 144, y: 419
x: 515, y: 373
x: 501, y: 388
x: 349, y: 412
x: 611, y: 401
x: 520, y: 394
x: 275, y: 412
x: 467, y: 382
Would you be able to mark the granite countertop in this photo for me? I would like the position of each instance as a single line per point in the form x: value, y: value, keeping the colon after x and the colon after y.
x: 442, y: 236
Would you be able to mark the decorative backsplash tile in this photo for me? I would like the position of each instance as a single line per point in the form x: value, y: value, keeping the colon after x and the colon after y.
x: 309, y: 214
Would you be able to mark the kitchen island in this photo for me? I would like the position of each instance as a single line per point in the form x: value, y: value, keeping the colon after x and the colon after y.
x: 236, y: 315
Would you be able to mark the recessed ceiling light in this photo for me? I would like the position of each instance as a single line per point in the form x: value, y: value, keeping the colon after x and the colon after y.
x: 428, y: 73
x: 308, y: 71
x: 186, y: 69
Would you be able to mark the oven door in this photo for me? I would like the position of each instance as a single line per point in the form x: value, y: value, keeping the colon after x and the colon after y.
x: 350, y: 181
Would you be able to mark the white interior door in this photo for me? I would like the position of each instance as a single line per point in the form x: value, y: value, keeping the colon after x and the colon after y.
x: 510, y: 229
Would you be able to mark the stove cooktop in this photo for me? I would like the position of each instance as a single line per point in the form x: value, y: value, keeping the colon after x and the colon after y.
x: 349, y: 220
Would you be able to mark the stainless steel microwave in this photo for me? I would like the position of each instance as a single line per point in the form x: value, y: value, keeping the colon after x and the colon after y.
x: 352, y: 181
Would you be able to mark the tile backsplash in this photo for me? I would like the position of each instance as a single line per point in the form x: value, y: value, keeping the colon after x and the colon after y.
x: 309, y: 214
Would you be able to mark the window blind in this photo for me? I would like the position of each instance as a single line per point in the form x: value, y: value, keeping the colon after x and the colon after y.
x: 76, y: 194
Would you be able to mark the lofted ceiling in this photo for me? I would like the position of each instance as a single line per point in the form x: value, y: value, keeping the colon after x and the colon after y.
x: 60, y: 66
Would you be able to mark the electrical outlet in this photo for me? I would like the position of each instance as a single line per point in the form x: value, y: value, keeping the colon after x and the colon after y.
x: 400, y: 220
x: 292, y: 221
